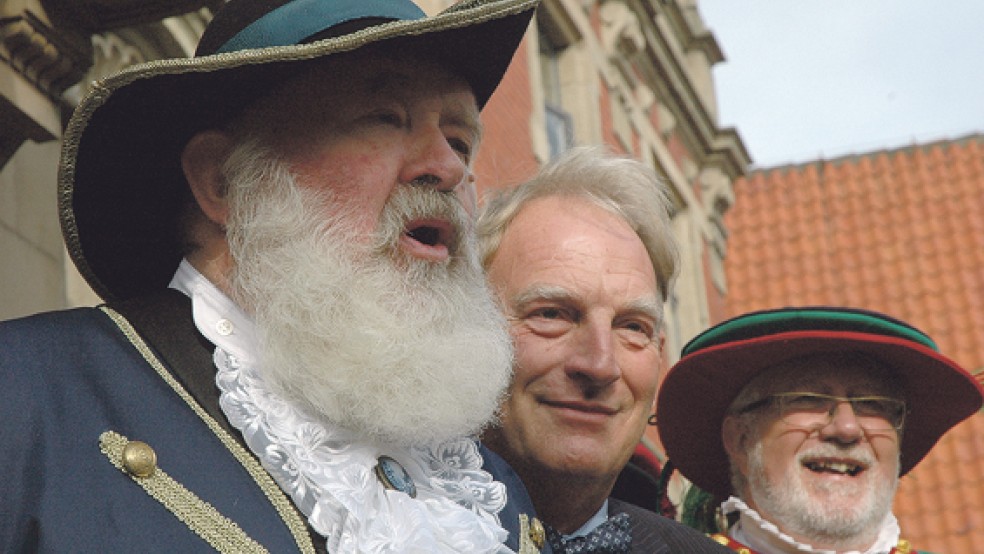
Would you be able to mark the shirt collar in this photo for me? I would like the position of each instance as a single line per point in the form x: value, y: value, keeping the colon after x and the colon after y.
x: 217, y: 316
x: 601, y: 516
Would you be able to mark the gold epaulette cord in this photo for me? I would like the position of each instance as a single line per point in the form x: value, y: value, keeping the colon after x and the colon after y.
x: 137, y: 460
x: 110, y: 442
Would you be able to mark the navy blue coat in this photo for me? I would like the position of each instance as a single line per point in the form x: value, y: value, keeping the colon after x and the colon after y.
x: 67, y: 377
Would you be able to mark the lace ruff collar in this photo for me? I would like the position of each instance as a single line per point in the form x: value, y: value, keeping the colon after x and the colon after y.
x: 764, y: 536
x: 329, y: 472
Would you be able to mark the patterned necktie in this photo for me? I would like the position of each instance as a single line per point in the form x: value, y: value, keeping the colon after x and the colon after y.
x: 611, y: 537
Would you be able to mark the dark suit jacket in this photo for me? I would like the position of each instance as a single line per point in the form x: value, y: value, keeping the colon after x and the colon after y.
x: 655, y: 534
x: 67, y: 377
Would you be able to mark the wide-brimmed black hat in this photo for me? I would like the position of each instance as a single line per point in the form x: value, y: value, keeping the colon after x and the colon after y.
x: 718, y: 363
x: 120, y: 182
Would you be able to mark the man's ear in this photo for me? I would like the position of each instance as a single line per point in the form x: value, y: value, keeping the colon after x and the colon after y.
x: 201, y: 161
x: 734, y: 435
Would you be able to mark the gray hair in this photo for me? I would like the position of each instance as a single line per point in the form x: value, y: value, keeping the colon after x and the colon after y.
x: 622, y: 186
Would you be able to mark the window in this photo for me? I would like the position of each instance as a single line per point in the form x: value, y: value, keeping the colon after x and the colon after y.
x: 559, y: 123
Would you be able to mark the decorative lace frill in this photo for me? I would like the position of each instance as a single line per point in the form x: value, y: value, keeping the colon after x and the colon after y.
x: 329, y: 473
x: 764, y: 536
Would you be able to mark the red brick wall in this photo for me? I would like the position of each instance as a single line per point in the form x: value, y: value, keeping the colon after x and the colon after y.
x: 506, y: 154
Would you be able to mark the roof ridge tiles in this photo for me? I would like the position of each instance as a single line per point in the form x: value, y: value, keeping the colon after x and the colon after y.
x: 976, y: 137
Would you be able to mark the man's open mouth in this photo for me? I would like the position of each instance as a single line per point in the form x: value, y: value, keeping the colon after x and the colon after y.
x: 837, y: 467
x: 426, y: 234
x: 431, y: 238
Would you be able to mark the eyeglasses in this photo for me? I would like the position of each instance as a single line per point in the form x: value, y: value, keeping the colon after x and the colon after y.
x: 810, y: 410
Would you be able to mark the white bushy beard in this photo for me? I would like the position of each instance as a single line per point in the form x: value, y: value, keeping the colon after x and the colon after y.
x: 852, y: 513
x: 360, y: 335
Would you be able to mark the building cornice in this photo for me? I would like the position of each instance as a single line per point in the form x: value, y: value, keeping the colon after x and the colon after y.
x: 666, y: 72
x: 49, y: 58
x: 689, y: 30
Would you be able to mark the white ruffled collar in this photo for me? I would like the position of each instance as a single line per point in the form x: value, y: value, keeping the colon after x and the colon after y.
x: 329, y: 472
x: 765, y: 537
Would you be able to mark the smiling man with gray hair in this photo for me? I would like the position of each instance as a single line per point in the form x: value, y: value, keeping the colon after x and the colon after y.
x: 582, y: 258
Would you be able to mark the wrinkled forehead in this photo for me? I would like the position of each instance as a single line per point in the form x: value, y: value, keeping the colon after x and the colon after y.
x: 840, y: 374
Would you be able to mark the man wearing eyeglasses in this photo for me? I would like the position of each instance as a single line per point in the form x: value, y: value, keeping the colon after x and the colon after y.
x: 804, y: 419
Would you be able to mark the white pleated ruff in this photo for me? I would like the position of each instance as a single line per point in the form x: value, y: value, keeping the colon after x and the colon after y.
x: 329, y: 473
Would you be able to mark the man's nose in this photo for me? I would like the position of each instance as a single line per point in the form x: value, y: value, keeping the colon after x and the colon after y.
x: 844, y: 425
x: 433, y: 161
x: 593, y: 357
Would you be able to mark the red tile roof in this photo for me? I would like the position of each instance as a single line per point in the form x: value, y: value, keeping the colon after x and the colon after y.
x: 901, y: 232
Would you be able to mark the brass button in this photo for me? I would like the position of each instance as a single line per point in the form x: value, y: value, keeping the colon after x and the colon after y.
x: 139, y: 459
x: 537, y: 533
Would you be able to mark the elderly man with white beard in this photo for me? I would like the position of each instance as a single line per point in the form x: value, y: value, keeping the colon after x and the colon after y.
x: 298, y: 347
x: 816, y: 412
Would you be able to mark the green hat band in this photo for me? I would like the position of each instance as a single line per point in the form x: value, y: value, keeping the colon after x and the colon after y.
x: 772, y: 322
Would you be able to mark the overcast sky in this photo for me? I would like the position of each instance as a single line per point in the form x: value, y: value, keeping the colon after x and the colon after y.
x: 805, y: 79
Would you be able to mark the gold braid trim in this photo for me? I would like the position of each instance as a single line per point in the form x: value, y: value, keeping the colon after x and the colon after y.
x: 273, y: 492
x: 200, y: 516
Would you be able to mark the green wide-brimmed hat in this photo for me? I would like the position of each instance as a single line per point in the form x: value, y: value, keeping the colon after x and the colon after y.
x: 717, y: 364
x: 120, y: 182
